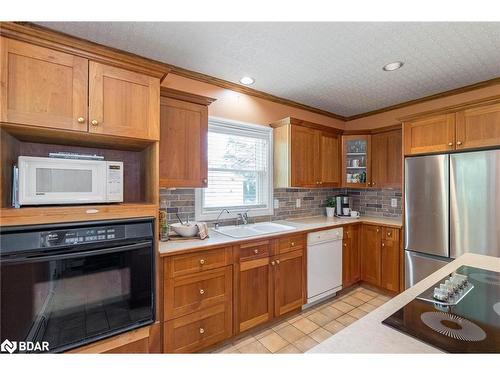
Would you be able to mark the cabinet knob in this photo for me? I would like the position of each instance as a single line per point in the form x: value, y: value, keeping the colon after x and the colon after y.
x: 369, y: 183
x: 373, y: 183
x: 256, y: 251
x: 202, y: 291
x: 389, y: 234
x: 345, y: 245
x: 378, y: 230
x: 202, y: 261
x: 450, y: 144
x: 94, y: 122
x: 321, y: 182
x: 383, y: 244
x: 459, y: 143
x: 277, y: 261
x: 273, y: 263
x: 202, y: 331
x: 80, y: 120
x: 292, y: 243
x: 205, y: 181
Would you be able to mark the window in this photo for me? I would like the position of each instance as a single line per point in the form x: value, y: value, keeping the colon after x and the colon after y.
x: 239, y: 170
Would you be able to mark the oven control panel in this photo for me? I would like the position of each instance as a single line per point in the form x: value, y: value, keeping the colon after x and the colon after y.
x: 79, y: 236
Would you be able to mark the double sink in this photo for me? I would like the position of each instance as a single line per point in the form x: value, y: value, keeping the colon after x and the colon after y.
x: 252, y: 230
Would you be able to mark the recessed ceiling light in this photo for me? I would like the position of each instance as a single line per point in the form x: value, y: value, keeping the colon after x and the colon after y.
x: 393, y: 66
x: 247, y: 80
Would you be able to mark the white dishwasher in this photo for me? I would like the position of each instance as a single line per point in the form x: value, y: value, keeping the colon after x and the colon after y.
x: 324, y: 264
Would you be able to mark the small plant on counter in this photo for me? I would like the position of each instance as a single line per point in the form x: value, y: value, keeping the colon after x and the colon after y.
x: 330, y: 207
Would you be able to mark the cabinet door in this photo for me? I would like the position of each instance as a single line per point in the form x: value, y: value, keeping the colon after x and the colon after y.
x: 42, y: 87
x: 370, y: 253
x: 478, y: 127
x: 289, y: 271
x: 183, y: 144
x: 390, y: 265
x: 254, y: 294
x: 432, y: 134
x: 351, y: 267
x: 123, y: 103
x: 356, y: 161
x: 330, y: 159
x: 386, y: 159
x: 305, y: 163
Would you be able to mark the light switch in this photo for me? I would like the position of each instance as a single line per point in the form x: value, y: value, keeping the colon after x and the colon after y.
x: 297, y: 203
x: 394, y: 202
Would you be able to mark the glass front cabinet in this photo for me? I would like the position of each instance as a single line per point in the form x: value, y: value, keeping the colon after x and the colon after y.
x: 356, y: 161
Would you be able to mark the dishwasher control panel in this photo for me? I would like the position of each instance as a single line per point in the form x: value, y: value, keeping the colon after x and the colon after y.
x: 325, y: 236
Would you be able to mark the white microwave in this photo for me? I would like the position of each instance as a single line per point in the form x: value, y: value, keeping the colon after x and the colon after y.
x: 68, y: 181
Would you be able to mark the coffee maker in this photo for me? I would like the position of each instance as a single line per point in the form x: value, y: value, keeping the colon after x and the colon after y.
x: 342, y: 201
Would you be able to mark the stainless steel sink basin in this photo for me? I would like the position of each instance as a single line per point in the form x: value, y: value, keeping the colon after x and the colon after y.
x: 252, y: 230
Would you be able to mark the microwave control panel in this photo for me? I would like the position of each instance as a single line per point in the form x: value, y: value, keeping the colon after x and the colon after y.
x: 79, y: 236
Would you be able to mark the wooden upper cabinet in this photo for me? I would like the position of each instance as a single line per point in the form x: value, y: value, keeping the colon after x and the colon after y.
x: 330, y: 161
x: 478, y: 127
x: 123, y: 103
x: 305, y: 163
x: 430, y: 134
x: 42, y: 87
x: 356, y: 161
x: 289, y: 281
x: 305, y: 154
x: 183, y: 139
x: 386, y: 159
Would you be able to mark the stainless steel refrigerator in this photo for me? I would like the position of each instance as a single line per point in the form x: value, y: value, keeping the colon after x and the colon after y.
x: 452, y: 206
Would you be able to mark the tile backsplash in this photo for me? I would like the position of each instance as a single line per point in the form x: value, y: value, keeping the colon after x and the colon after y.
x: 313, y: 201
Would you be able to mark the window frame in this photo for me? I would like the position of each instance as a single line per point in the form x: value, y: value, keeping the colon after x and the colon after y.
x: 239, y: 128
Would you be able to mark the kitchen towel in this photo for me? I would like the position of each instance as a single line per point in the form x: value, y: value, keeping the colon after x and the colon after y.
x: 202, y: 230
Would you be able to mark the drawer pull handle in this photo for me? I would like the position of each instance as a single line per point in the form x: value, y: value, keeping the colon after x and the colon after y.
x: 202, y: 291
x: 292, y: 243
x: 202, y: 261
x: 202, y: 331
x: 256, y: 251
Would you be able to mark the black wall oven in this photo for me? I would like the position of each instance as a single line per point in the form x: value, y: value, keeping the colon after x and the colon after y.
x: 75, y: 283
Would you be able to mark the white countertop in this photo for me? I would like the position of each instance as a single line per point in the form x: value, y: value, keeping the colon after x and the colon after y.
x: 369, y: 335
x: 299, y: 225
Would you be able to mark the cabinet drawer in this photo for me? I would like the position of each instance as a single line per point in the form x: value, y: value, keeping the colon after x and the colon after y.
x: 185, y: 264
x: 291, y: 243
x: 191, y: 293
x: 196, y: 331
x: 254, y: 250
x: 390, y: 234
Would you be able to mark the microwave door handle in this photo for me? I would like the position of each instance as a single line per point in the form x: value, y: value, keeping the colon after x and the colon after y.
x: 44, y: 258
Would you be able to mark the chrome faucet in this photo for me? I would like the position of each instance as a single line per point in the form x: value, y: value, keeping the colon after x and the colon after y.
x: 243, y: 216
x: 217, y: 220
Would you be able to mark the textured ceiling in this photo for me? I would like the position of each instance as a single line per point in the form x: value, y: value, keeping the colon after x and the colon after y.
x: 336, y: 67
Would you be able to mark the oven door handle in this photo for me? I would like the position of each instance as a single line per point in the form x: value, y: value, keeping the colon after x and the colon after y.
x: 108, y: 250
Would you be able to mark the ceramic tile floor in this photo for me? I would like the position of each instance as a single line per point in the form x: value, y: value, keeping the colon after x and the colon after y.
x: 307, y: 329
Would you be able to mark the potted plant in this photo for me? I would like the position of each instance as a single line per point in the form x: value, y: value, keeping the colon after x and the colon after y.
x: 330, y: 207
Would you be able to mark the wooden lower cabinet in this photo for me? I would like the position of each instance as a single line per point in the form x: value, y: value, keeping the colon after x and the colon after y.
x: 254, y: 293
x: 290, y: 282
x: 198, y: 330
x: 380, y: 256
x: 351, y: 257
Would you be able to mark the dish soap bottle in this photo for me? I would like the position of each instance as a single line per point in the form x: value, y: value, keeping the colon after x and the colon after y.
x: 163, y: 221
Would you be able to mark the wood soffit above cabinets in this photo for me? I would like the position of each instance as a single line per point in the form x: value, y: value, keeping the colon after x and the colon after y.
x: 185, y: 96
x: 453, y: 108
x: 46, y: 37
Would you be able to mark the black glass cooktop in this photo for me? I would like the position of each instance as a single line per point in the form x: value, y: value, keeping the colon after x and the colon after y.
x: 470, y: 326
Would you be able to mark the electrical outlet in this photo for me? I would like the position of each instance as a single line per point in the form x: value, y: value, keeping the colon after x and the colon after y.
x: 276, y: 203
x: 394, y: 202
x: 297, y: 203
